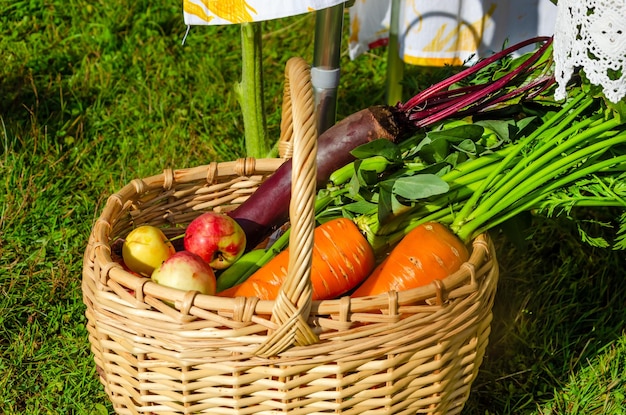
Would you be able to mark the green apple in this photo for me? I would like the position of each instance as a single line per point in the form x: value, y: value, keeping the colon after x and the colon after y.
x: 145, y: 248
x: 186, y: 271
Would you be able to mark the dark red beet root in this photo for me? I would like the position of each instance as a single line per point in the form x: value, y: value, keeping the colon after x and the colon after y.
x: 268, y: 206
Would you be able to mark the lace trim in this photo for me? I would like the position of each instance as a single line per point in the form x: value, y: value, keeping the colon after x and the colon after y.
x: 591, y: 34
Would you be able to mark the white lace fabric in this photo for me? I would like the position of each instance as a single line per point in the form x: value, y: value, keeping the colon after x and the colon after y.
x: 591, y: 35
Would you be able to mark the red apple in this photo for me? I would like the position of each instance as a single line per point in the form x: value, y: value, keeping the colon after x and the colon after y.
x: 186, y: 271
x: 145, y: 248
x: 217, y: 238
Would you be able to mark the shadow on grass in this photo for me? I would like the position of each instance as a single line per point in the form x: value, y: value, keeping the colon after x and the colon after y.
x: 560, y: 304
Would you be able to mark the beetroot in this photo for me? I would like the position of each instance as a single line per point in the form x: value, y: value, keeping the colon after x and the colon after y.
x: 268, y: 206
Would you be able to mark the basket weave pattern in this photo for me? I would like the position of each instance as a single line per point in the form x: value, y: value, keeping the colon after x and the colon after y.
x: 164, y: 351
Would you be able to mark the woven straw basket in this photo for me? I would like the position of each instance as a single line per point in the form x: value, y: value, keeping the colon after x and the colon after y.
x: 165, y: 351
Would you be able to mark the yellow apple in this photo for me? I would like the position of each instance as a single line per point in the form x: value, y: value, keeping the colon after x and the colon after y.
x: 145, y: 249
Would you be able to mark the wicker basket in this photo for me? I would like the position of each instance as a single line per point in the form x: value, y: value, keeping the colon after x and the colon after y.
x: 164, y: 351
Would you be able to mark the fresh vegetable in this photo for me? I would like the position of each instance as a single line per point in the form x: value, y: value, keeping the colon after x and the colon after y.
x: 255, y: 259
x: 342, y: 258
x: 216, y: 238
x: 231, y: 275
x: 267, y: 207
x: 186, y: 271
x: 428, y: 252
x: 145, y: 248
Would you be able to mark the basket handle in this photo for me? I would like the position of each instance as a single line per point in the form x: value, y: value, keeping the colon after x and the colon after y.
x: 293, y: 304
x: 298, y: 72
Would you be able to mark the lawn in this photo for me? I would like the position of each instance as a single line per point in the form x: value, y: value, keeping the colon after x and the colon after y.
x: 93, y: 95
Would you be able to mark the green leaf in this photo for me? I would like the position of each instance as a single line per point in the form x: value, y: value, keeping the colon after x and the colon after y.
x: 380, y: 147
x: 397, y: 207
x: 419, y: 186
x: 618, y: 109
x: 459, y: 133
x: 524, y: 122
x: 354, y: 186
x: 598, y: 241
x: 367, y: 177
x: 385, y: 205
x: 502, y: 128
x: 361, y: 207
x: 452, y: 160
x: 437, y: 144
x: 368, y: 169
x: 466, y: 146
x: 434, y: 151
x: 410, y: 146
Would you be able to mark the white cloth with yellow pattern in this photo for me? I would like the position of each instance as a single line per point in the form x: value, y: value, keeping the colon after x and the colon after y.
x: 451, y: 31
x: 431, y: 32
x: 220, y: 12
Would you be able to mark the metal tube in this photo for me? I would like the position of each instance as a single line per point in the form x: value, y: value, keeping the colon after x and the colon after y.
x: 326, y: 68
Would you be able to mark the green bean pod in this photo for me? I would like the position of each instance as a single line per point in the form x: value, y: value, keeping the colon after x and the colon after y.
x: 374, y: 164
x: 244, y: 266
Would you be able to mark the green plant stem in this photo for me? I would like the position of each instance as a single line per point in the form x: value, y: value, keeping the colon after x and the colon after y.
x: 249, y: 91
x: 382, y: 243
x: 464, y: 181
x: 441, y: 208
x: 553, y: 169
x: 478, y: 164
x: 543, y: 155
x: 532, y: 200
x: 474, y: 200
x: 537, y: 168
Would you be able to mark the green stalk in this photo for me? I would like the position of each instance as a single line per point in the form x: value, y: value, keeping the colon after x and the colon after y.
x: 552, y: 169
x: 249, y: 91
x: 537, y: 158
x: 532, y: 200
x: 533, y: 172
x: 474, y: 200
x: 464, y: 181
x: 535, y: 181
x: 477, y: 172
x: 442, y: 203
x: 382, y: 243
x: 478, y: 164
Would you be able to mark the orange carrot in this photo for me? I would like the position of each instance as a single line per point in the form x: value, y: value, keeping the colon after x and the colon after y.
x: 342, y: 258
x: 428, y: 252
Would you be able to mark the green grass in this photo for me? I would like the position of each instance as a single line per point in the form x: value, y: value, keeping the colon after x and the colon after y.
x: 95, y: 95
x: 558, y: 340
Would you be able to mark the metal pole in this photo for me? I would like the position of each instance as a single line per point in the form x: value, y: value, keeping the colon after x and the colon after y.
x: 325, y: 69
